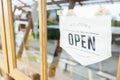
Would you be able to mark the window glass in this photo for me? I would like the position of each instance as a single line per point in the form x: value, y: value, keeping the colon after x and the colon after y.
x: 26, y: 33
x: 61, y: 66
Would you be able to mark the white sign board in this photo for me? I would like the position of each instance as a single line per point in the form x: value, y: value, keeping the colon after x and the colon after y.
x: 87, y: 40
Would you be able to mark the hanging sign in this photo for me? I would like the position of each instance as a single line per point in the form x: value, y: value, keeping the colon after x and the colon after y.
x: 87, y: 40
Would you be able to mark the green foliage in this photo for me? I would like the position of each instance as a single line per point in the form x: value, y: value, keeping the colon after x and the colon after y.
x: 31, y: 57
x: 53, y: 33
x: 115, y: 22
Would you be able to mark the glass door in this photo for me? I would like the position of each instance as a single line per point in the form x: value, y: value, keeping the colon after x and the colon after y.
x: 61, y: 66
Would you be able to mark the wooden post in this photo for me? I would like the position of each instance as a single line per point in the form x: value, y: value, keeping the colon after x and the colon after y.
x: 72, y: 4
x: 43, y: 39
x: 25, y: 37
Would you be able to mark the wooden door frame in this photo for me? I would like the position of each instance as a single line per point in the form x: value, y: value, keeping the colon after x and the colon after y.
x: 3, y: 63
x: 8, y: 32
x: 8, y: 16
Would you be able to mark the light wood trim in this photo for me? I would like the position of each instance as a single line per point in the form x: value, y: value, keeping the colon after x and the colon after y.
x: 3, y: 65
x: 14, y: 72
x: 3, y: 39
x: 43, y: 39
x: 118, y: 70
x: 9, y: 33
x: 18, y: 75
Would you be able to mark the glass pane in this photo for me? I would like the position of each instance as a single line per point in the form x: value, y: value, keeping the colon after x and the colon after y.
x: 61, y: 66
x: 26, y: 32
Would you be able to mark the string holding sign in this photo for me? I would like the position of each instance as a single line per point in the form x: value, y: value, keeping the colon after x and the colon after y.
x: 68, y: 12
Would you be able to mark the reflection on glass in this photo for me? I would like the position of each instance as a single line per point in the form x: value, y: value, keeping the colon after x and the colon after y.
x: 62, y: 66
x: 26, y: 32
